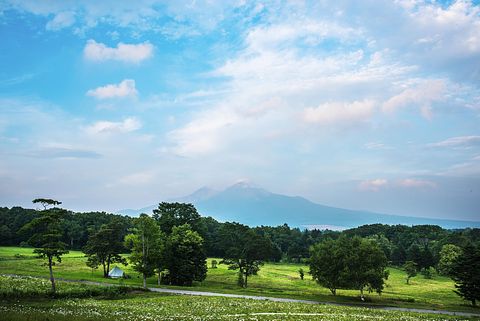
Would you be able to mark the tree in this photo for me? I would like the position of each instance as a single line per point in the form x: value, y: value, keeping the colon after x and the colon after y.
x: 184, y: 257
x: 349, y: 263
x: 301, y: 273
x: 448, y: 255
x: 92, y: 262
x: 427, y: 260
x: 244, y: 250
x: 414, y: 254
x: 73, y: 231
x: 214, y: 264
x: 367, y: 265
x: 46, y: 202
x: 146, y: 245
x: 169, y: 215
x: 399, y: 255
x: 106, y: 245
x: 410, y: 268
x: 465, y: 274
x: 327, y: 265
x: 47, y: 235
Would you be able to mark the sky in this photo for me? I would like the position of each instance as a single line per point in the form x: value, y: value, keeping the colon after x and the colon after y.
x: 371, y: 105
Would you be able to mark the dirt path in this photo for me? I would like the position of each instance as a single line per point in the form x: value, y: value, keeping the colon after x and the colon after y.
x: 255, y: 297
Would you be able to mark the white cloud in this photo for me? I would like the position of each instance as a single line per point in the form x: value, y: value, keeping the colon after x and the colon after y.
x: 416, y: 183
x: 336, y: 112
x: 108, y: 127
x: 61, y: 20
x: 126, y: 88
x: 123, y: 52
x: 373, y: 184
x: 204, y: 134
x: 459, y: 142
x: 376, y: 146
x: 420, y: 96
x: 308, y: 31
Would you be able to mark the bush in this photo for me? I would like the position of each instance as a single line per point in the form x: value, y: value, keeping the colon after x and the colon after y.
x: 428, y: 273
x: 19, y: 256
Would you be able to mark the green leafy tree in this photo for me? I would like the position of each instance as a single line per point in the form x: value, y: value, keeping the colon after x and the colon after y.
x: 244, y: 250
x: 327, y: 265
x: 399, y: 255
x: 92, y: 262
x: 73, y: 231
x: 410, y: 268
x: 465, y: 273
x: 146, y: 245
x: 214, y: 264
x: 448, y: 255
x: 106, y: 245
x: 47, y: 235
x: 349, y: 263
x: 414, y: 254
x: 367, y: 265
x: 169, y: 215
x: 184, y: 256
x: 46, y: 202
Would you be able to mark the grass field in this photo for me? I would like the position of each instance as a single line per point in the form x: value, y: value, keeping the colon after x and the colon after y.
x: 153, y: 306
x: 279, y: 280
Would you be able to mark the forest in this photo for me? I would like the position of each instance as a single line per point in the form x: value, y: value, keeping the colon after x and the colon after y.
x: 421, y: 244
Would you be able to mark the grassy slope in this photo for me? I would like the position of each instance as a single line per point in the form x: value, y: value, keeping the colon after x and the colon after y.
x: 165, y: 307
x: 279, y: 280
x: 26, y: 298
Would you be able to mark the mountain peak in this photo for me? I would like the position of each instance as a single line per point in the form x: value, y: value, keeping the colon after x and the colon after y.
x: 200, y: 194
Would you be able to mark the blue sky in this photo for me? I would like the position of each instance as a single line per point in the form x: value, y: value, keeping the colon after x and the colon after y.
x: 369, y: 105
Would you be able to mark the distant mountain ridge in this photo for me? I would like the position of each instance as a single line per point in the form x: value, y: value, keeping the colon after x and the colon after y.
x: 255, y: 206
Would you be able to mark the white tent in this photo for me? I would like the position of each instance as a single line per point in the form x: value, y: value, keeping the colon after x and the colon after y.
x: 116, y: 272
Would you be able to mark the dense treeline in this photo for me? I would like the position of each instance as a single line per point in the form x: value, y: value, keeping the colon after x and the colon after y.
x: 421, y: 244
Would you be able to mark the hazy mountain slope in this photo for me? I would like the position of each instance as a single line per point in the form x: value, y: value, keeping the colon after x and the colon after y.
x: 255, y: 206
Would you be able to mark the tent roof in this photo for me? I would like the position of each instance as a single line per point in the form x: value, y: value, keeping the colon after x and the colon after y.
x: 116, y: 272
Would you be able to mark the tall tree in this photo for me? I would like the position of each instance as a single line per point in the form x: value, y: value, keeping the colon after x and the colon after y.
x: 184, y: 256
x: 146, y: 245
x: 73, y: 231
x: 47, y: 234
x: 410, y: 268
x: 46, y: 202
x: 349, y: 263
x: 169, y: 215
x: 106, y: 245
x: 244, y: 250
x: 367, y: 265
x: 448, y: 255
x: 327, y: 265
x: 465, y: 274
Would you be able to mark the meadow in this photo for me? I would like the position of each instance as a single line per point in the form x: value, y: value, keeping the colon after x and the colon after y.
x: 276, y: 280
x: 153, y: 306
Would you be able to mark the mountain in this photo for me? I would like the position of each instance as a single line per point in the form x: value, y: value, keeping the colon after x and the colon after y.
x: 255, y: 206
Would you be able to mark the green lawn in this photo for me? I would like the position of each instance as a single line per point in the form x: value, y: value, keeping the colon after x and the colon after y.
x: 280, y: 280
